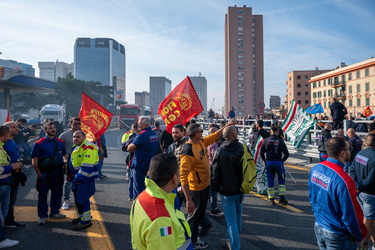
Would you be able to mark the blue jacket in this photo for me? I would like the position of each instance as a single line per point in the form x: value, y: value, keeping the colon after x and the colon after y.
x: 147, y: 143
x: 363, y: 171
x: 332, y: 195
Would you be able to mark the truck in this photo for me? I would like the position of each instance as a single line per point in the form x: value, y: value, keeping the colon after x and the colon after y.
x: 53, y: 111
x: 128, y: 114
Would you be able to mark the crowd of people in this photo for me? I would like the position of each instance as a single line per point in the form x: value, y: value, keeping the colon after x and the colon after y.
x: 201, y: 168
x: 64, y: 164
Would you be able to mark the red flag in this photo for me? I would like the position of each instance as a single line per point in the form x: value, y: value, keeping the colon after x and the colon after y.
x: 367, y: 111
x: 95, y: 119
x: 7, y: 119
x: 180, y: 105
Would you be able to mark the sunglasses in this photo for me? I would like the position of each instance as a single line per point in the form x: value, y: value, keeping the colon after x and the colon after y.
x: 77, y: 123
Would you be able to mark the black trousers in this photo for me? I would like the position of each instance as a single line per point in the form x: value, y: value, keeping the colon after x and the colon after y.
x: 200, y: 202
x: 338, y: 124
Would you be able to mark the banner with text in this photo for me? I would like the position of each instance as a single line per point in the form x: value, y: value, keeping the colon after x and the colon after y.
x: 297, y: 124
x: 95, y: 119
x: 180, y: 105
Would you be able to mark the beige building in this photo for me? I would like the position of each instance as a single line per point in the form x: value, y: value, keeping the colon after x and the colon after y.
x: 244, y: 77
x: 298, y: 86
x: 142, y: 98
x: 353, y: 85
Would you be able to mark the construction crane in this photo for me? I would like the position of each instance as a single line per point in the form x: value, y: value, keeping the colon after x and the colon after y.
x: 212, y: 103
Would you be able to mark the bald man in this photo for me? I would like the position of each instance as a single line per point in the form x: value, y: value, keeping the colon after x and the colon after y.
x: 355, y: 144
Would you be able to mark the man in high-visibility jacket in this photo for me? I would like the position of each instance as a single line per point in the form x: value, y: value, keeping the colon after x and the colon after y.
x: 155, y: 223
x: 83, y: 164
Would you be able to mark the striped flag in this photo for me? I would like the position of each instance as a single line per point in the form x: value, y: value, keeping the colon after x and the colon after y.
x: 261, y: 182
x: 297, y: 124
x: 164, y: 231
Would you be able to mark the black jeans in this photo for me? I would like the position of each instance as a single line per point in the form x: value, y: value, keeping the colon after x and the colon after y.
x: 337, y: 124
x: 200, y: 203
x: 9, y: 219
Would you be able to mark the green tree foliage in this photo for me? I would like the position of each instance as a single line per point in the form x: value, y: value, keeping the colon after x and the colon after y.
x: 69, y: 92
x: 23, y: 102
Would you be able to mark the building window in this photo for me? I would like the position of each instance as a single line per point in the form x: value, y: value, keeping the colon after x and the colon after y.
x: 367, y: 72
x: 240, y: 68
x: 350, y: 102
x: 306, y: 77
x: 367, y: 86
x: 324, y: 94
x: 240, y: 102
x: 240, y: 34
x: 306, y: 93
x: 240, y: 96
x: 358, y: 102
x: 306, y: 101
x: 350, y: 76
x: 298, y: 77
x: 306, y: 85
x: 240, y: 90
x: 319, y: 84
x: 240, y: 85
x: 358, y: 74
x: 298, y: 93
x: 325, y: 104
x: 299, y: 102
x: 239, y: 12
x: 240, y: 62
x: 240, y: 56
x: 314, y: 95
x: 350, y: 89
x: 329, y: 81
x: 314, y: 84
x: 240, y: 28
x: 240, y: 45
x: 240, y: 78
x: 324, y: 83
x: 240, y: 17
x: 367, y: 101
x: 298, y: 85
x: 240, y: 40
x: 358, y: 88
x: 240, y: 73
x: 240, y: 51
x: 240, y: 23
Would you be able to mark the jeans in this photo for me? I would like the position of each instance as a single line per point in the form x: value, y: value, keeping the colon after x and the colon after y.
x: 232, y: 206
x: 213, y: 199
x: 4, y: 199
x: 26, y: 149
x: 67, y: 189
x: 9, y: 219
x: 100, y: 166
x: 330, y: 240
x: 131, y: 184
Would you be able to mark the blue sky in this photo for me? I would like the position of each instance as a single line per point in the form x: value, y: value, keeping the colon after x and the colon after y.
x: 176, y: 38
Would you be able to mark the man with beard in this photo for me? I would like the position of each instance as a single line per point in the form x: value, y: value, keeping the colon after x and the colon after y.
x: 179, y: 139
x: 332, y: 194
x: 47, y: 159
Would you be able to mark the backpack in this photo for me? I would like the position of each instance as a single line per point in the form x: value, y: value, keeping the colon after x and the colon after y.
x: 248, y: 170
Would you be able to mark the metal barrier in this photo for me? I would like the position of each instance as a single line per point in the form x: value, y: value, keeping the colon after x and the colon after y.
x: 308, y: 148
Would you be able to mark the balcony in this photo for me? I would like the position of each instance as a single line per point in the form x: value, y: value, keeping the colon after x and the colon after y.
x: 341, y: 96
x: 338, y: 84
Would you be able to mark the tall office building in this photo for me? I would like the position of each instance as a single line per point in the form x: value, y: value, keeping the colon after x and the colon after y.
x: 142, y: 98
x: 244, y: 77
x: 101, y: 60
x: 18, y: 67
x: 53, y: 70
x: 274, y: 101
x: 160, y: 87
x: 200, y: 85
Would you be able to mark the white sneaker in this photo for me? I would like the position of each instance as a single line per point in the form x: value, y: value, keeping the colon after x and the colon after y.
x: 66, y: 205
x: 8, y: 243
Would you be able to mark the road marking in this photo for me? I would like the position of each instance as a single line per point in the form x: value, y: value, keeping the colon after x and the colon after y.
x: 289, y: 207
x: 304, y: 169
x: 97, y: 233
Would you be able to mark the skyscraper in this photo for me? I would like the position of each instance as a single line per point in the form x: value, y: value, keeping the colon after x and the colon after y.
x: 244, y: 77
x: 101, y: 60
x: 53, y: 70
x: 200, y: 85
x: 142, y: 98
x: 160, y: 87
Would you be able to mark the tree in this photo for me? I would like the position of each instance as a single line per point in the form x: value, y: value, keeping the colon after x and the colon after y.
x: 68, y: 91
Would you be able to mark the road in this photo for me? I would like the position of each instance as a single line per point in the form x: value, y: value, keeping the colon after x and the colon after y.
x: 264, y: 226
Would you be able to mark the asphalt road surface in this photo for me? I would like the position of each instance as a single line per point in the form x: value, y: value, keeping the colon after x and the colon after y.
x: 264, y: 226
